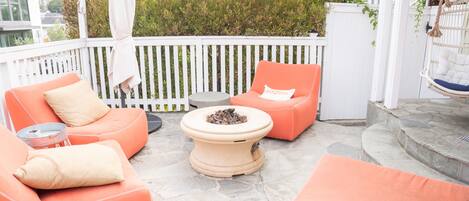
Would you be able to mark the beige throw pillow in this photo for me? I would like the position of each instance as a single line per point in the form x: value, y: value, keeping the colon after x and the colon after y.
x: 277, y: 94
x: 76, y: 104
x: 71, y: 166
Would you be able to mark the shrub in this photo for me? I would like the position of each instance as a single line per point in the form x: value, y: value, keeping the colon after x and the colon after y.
x: 207, y: 17
x: 56, y: 33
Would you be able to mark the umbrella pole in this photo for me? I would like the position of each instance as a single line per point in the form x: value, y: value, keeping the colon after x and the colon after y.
x: 154, y: 122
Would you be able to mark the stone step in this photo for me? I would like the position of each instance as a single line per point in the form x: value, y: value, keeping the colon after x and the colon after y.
x: 436, y: 140
x: 381, y: 146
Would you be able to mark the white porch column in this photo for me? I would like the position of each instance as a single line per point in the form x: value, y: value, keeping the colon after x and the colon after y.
x: 83, y: 30
x: 382, y: 49
x: 82, y: 24
x: 396, y: 52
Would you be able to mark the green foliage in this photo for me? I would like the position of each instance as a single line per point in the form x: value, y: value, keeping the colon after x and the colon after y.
x: 23, y: 41
x: 207, y: 17
x: 419, y: 8
x: 56, y: 33
x: 55, y: 6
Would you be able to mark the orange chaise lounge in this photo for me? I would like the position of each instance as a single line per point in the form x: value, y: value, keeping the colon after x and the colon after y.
x: 13, y: 154
x: 290, y: 117
x: 338, y: 178
x: 128, y: 126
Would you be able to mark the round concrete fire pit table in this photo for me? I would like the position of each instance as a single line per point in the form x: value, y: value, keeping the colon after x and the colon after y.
x: 226, y: 150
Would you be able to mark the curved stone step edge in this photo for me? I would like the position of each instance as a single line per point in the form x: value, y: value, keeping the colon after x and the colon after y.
x: 380, y: 145
x: 443, y: 163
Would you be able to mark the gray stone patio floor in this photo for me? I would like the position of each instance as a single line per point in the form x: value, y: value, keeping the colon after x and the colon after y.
x: 164, y: 164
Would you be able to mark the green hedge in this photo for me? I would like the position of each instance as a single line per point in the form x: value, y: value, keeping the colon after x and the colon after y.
x: 207, y: 17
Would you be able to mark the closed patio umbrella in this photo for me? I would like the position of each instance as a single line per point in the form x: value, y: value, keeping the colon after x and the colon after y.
x: 123, y: 70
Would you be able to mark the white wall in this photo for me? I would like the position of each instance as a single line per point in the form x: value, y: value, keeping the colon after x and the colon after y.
x: 349, y: 60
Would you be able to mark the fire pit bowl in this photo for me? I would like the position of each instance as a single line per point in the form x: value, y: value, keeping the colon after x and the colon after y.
x: 222, y: 150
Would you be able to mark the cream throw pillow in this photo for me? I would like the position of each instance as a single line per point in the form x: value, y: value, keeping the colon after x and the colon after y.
x: 276, y: 94
x: 71, y: 166
x: 76, y: 104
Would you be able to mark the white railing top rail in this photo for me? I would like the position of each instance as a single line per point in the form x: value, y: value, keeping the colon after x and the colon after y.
x: 35, y: 50
x: 214, y: 40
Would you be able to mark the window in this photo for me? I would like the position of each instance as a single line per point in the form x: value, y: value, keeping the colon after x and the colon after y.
x: 5, y: 10
x: 14, y: 10
x: 13, y: 38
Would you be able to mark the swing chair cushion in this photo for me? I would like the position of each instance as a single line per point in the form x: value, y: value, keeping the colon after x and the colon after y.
x: 453, y: 86
x: 453, y: 71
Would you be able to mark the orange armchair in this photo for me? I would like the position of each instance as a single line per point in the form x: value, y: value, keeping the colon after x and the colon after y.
x: 290, y: 117
x: 13, y: 153
x: 128, y: 126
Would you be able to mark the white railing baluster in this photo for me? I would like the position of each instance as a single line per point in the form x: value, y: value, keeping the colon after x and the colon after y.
x: 56, y: 61
x: 298, y: 54
x: 176, y: 76
x: 231, y: 63
x: 265, y: 50
x: 169, y: 90
x: 274, y: 53
x: 37, y: 70
x: 68, y: 58
x: 248, y: 67
x: 94, y: 77
x: 256, y: 56
x: 240, y: 69
x: 205, y: 62
x: 199, y: 68
x: 312, y: 54
x: 306, y: 55
x: 223, y: 68
x: 282, y: 54
x: 102, y: 80
x: 214, y: 68
x: 152, y: 76
x: 193, y: 71
x: 49, y: 66
x: 76, y: 59
x: 111, y: 90
x: 185, y: 78
x: 143, y: 75
x: 159, y: 69
x: 290, y: 54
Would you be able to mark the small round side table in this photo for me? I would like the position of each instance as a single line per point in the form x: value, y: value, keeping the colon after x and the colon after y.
x: 46, y: 135
x: 208, y: 99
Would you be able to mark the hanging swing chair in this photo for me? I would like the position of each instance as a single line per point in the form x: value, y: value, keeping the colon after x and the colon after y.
x: 447, y: 68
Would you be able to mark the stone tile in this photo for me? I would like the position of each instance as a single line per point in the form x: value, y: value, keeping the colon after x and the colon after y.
x: 171, y: 187
x: 344, y: 150
x: 163, y: 164
x: 196, y: 196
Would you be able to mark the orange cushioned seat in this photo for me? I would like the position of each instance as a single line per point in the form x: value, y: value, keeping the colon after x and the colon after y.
x: 290, y: 117
x: 128, y: 126
x: 13, y: 153
x: 338, y: 178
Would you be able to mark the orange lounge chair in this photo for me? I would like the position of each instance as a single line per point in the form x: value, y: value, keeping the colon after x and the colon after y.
x: 13, y: 153
x: 290, y: 117
x: 128, y: 126
x: 338, y: 178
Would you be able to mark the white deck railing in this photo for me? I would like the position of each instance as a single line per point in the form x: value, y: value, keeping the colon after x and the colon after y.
x: 171, y: 68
